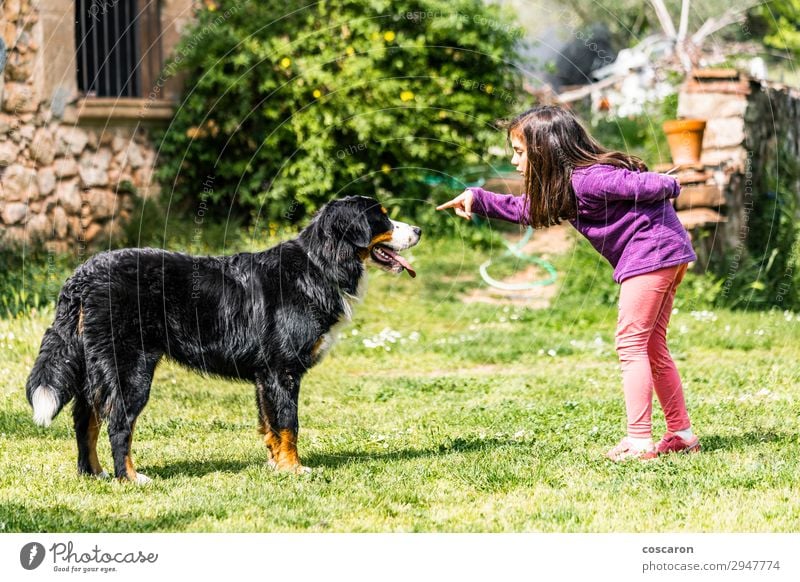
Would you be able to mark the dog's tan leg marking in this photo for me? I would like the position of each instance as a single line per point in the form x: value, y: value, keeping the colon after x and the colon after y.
x: 92, y: 434
x: 316, y: 347
x: 288, y: 460
x: 130, y: 471
x: 271, y: 441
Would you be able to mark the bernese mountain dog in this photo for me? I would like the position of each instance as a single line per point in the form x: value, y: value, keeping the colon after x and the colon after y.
x: 264, y: 317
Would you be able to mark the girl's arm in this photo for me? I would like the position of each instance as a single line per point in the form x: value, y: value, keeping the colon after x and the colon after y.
x: 611, y: 184
x: 491, y: 205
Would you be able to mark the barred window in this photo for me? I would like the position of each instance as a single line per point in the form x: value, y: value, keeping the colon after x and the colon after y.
x: 118, y: 46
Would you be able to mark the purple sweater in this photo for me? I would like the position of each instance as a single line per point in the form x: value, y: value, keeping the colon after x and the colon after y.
x: 627, y: 216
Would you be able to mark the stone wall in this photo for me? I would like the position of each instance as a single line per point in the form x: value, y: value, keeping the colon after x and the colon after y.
x: 67, y: 178
x: 745, y: 119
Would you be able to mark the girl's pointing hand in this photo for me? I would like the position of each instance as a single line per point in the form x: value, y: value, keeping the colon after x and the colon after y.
x: 462, y: 204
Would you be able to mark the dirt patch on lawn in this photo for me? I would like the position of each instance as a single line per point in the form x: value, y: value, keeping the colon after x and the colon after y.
x: 546, y: 244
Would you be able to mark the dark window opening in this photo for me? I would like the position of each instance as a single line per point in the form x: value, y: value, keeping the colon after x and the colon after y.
x: 118, y: 46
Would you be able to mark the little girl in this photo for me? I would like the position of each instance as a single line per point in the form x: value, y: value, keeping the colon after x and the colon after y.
x: 626, y: 214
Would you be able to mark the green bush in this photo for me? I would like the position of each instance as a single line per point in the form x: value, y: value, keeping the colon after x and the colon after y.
x: 769, y: 273
x: 285, y: 109
x: 31, y: 278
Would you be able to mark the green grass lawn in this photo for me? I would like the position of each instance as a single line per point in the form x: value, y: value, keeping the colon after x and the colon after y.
x: 475, y: 418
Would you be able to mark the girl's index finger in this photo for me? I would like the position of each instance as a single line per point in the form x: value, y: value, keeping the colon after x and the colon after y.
x: 448, y: 204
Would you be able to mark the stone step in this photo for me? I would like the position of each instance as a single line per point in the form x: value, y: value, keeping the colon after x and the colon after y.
x: 680, y: 168
x: 700, y: 196
x: 698, y: 217
x: 693, y: 177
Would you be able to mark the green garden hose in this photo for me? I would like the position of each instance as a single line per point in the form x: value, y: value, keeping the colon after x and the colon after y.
x: 515, y: 250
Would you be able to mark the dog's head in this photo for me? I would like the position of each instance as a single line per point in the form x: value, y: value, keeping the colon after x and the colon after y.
x: 363, y: 223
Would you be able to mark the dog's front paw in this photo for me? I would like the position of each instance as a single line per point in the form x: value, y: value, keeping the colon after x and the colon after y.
x: 295, y: 468
x: 142, y: 479
x: 137, y: 479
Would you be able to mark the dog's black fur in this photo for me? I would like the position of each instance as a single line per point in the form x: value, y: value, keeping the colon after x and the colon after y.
x: 260, y: 317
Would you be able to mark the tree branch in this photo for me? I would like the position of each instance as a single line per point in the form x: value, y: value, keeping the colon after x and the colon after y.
x: 664, y: 18
x: 684, y: 25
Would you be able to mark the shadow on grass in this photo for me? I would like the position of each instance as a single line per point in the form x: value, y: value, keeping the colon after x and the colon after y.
x: 61, y: 518
x: 745, y: 440
x: 330, y: 461
x: 334, y: 461
x: 20, y: 424
x: 200, y: 468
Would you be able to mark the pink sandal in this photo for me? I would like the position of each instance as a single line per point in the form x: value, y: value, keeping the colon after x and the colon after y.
x: 672, y: 443
x: 626, y: 451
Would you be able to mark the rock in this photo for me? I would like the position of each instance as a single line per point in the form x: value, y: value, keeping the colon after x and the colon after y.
x: 26, y: 131
x: 43, y: 148
x: 58, y: 102
x: 25, y: 42
x: 19, y: 98
x: 60, y: 223
x: 14, y: 213
x: 69, y: 114
x: 65, y: 167
x: 19, y: 67
x: 93, y: 168
x: 50, y: 202
x: 46, y: 180
x: 38, y: 227
x: 11, y: 10
x: 92, y: 139
x: 75, y: 226
x: 91, y: 232
x: 8, y: 153
x: 69, y: 196
x: 70, y: 140
x: 13, y: 236
x: 711, y: 105
x: 102, y: 203
x: 118, y: 143
x: 19, y: 183
x: 722, y: 133
x: 106, y: 138
x: 91, y: 177
x: 57, y: 247
x: 10, y: 33
x: 133, y: 156
x: 7, y: 123
x: 43, y: 117
x: 143, y: 177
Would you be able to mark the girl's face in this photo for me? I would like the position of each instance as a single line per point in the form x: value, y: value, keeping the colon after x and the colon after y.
x: 520, y: 158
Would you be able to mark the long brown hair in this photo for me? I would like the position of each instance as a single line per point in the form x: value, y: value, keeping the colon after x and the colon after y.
x: 556, y: 143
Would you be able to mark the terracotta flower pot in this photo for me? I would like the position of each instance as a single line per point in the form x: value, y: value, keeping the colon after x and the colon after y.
x: 685, y: 139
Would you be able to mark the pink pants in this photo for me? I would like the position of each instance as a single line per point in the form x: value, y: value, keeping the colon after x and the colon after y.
x: 645, y: 305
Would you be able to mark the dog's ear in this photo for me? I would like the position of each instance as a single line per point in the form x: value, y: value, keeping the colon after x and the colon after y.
x: 346, y: 220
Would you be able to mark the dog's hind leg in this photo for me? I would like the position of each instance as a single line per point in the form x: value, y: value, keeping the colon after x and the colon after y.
x: 277, y: 395
x: 87, y: 428
x: 271, y: 440
x: 131, y: 398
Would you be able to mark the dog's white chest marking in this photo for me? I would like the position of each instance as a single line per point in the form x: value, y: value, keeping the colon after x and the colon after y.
x: 349, y: 302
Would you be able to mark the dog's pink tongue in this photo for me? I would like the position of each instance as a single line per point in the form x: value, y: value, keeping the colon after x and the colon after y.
x: 405, y: 264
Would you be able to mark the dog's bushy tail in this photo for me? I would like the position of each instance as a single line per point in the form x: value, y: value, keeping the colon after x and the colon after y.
x: 59, y: 369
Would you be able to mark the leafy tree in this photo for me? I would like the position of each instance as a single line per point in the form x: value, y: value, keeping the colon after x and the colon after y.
x: 286, y: 108
x: 781, y: 22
